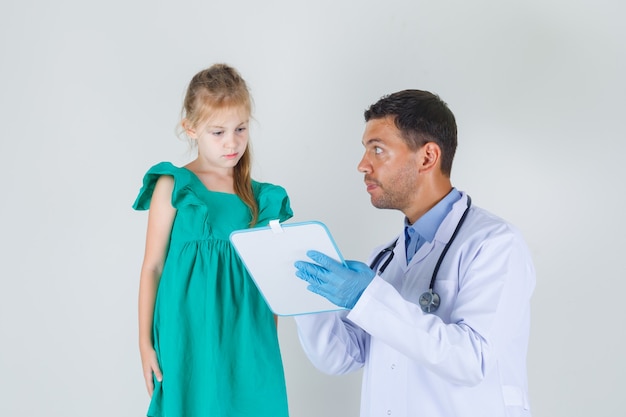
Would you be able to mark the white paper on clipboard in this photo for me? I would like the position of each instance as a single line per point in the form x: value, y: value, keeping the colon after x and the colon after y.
x: 269, y: 254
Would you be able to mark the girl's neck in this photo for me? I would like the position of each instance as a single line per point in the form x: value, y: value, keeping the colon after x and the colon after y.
x: 220, y: 180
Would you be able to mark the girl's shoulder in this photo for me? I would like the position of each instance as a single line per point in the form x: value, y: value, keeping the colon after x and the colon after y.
x: 273, y: 202
x: 182, y: 177
x: 268, y: 190
x: 166, y: 168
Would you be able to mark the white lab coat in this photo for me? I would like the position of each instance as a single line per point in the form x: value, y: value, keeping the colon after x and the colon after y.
x: 468, y: 359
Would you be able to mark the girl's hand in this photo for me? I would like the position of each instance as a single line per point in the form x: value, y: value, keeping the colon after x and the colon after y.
x: 150, y: 367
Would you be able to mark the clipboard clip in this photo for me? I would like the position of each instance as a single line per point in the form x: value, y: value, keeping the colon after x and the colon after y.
x: 276, y: 227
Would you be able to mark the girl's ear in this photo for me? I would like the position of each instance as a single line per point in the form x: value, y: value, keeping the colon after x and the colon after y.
x: 189, y: 129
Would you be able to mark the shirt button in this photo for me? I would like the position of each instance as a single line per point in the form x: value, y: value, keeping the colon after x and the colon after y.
x: 388, y: 412
x: 393, y: 366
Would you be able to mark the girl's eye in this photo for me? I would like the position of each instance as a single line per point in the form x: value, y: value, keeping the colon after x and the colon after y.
x: 217, y: 132
x: 241, y: 129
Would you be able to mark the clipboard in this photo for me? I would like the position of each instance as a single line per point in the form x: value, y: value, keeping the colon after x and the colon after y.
x: 269, y: 254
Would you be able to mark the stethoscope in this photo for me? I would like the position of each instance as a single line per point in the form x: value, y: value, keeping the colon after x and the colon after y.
x: 430, y: 300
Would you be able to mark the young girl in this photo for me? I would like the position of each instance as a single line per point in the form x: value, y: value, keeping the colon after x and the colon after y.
x: 207, y: 339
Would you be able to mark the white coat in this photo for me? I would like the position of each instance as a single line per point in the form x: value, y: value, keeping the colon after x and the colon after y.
x: 468, y: 359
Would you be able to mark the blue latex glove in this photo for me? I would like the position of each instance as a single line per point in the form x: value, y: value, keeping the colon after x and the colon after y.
x: 341, y: 285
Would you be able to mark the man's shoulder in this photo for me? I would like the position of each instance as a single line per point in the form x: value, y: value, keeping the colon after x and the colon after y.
x: 482, y: 221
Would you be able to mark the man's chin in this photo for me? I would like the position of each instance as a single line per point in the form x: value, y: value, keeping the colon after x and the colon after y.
x: 378, y: 203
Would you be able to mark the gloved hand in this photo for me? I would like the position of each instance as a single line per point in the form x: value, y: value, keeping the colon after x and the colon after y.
x: 340, y: 285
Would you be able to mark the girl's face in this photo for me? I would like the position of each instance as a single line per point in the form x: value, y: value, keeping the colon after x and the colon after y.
x: 223, y: 138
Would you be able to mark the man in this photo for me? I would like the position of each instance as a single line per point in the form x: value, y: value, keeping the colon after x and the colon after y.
x: 441, y: 321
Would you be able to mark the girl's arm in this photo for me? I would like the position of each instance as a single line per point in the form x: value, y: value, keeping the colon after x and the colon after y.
x: 160, y: 220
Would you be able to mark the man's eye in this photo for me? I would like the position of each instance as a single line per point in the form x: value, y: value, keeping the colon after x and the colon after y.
x: 377, y: 150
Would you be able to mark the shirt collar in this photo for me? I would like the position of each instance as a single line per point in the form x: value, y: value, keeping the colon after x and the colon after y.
x: 428, y: 224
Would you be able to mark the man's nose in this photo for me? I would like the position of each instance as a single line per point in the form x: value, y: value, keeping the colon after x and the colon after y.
x: 364, y: 166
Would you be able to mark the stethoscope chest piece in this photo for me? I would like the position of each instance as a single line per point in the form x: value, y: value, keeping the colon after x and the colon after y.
x: 429, y: 301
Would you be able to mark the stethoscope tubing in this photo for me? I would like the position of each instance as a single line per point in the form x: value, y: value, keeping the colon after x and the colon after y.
x: 447, y: 247
x: 379, y: 257
x: 390, y: 249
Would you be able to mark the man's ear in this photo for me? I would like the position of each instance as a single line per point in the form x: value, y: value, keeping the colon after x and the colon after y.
x: 189, y: 129
x: 430, y: 157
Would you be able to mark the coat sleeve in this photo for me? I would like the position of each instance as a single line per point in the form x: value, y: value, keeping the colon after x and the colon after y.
x: 332, y: 342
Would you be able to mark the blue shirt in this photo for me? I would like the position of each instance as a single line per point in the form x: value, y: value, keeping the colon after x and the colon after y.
x: 425, y: 227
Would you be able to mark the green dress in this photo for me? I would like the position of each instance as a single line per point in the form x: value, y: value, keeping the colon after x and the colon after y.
x: 215, y: 337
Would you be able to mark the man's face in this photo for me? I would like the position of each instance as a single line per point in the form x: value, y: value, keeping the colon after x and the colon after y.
x: 390, y: 167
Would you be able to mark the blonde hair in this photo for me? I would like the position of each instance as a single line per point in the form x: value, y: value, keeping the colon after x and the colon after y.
x: 216, y: 88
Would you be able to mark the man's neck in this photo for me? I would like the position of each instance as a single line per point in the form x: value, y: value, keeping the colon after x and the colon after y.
x: 426, y: 199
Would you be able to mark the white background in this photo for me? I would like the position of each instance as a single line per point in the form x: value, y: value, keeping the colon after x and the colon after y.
x: 90, y: 95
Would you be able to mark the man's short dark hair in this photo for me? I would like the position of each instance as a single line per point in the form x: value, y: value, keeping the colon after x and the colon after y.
x: 421, y: 117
